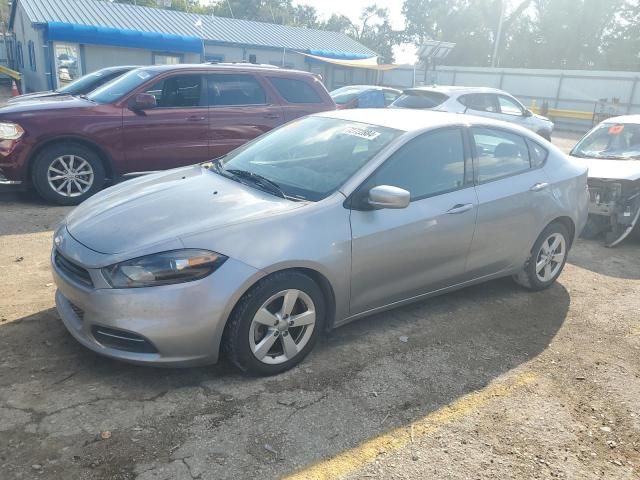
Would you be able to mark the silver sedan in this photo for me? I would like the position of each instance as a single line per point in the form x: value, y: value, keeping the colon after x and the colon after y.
x: 323, y: 221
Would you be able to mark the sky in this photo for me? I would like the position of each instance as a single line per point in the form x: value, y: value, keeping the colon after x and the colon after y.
x: 353, y: 9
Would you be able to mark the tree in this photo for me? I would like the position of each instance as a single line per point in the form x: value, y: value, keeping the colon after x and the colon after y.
x: 373, y: 30
x: 471, y: 24
x: 282, y: 12
x: 621, y: 42
x: 575, y: 34
x: 5, y: 10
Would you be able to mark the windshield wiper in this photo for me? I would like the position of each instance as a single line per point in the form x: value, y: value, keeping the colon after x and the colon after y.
x: 214, y: 163
x: 257, y: 179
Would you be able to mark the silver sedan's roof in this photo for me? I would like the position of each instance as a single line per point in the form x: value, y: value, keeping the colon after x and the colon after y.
x: 413, y: 120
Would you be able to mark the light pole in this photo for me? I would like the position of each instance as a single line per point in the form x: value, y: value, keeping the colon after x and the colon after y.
x: 496, y: 43
x: 199, y: 25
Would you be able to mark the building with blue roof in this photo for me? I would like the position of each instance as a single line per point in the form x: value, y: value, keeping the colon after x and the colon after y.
x: 56, y: 41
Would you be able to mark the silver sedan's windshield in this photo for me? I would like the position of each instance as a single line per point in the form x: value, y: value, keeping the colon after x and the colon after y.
x: 617, y: 141
x: 308, y: 158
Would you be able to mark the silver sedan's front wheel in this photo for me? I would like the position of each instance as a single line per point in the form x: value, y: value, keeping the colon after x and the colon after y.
x: 282, y: 327
x: 275, y: 324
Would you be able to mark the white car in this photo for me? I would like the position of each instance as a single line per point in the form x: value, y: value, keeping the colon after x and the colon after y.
x: 479, y: 101
x: 611, y: 152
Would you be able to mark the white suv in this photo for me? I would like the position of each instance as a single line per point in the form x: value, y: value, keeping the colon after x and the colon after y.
x: 482, y: 102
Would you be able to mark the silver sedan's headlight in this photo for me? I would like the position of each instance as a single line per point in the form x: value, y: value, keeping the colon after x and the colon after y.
x: 175, y: 266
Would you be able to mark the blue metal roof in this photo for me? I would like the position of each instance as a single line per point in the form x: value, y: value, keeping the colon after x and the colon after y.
x: 214, y: 29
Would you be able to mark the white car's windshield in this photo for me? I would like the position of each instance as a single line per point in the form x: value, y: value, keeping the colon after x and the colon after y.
x: 617, y: 141
x: 307, y: 159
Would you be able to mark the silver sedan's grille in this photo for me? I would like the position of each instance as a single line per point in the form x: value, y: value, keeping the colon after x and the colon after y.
x: 72, y: 270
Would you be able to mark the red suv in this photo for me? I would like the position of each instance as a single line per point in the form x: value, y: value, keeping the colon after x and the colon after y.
x: 151, y: 118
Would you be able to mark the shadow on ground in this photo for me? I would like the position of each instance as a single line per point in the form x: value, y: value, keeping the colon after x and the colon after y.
x: 619, y: 261
x: 25, y: 212
x: 212, y: 422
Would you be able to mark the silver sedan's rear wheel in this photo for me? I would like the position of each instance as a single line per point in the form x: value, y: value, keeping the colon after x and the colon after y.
x: 551, y: 257
x: 282, y: 326
x: 275, y: 324
x: 547, y: 258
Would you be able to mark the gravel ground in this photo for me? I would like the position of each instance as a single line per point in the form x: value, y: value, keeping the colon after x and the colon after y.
x: 490, y: 382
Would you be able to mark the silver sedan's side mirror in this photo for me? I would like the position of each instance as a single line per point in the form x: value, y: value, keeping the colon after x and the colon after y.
x: 386, y: 196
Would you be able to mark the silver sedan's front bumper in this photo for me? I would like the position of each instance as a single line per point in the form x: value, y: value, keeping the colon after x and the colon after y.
x: 176, y: 325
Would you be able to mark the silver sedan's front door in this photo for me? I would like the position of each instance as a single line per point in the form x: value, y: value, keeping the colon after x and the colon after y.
x: 399, y: 254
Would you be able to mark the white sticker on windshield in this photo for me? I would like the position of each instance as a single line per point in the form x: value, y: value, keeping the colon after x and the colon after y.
x: 143, y: 75
x: 362, y: 133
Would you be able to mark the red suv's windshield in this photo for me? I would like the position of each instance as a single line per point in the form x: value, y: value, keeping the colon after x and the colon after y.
x: 119, y: 87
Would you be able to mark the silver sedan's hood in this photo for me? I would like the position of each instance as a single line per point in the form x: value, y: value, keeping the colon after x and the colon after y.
x: 161, y: 207
x: 611, y: 169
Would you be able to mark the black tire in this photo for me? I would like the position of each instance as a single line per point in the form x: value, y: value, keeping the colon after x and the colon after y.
x: 235, y: 340
x: 527, y: 277
x: 49, y: 155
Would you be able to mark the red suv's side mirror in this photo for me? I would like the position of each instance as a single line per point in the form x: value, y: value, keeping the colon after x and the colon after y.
x: 144, y: 101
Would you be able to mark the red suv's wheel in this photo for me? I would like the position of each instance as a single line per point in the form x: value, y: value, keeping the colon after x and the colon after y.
x: 67, y: 173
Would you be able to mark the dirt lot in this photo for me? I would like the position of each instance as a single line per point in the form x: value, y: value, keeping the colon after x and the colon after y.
x: 491, y: 382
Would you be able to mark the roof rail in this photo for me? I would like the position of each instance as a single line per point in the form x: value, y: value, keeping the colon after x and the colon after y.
x: 243, y: 64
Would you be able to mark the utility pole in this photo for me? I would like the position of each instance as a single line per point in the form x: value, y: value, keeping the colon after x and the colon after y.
x: 496, y: 43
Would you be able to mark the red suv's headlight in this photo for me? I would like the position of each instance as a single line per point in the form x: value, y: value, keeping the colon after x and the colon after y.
x: 10, y: 131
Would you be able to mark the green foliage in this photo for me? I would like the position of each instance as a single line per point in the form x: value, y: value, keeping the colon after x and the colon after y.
x: 578, y: 34
x: 373, y: 30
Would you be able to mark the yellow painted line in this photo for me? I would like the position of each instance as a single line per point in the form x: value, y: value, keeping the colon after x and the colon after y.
x: 351, y: 460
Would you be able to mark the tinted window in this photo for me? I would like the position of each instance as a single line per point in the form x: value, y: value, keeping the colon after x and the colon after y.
x: 509, y: 107
x: 235, y: 90
x: 420, y: 99
x: 538, y: 154
x: 480, y: 102
x: 115, y: 90
x: 178, y: 91
x: 430, y: 164
x: 500, y: 153
x: 295, y: 91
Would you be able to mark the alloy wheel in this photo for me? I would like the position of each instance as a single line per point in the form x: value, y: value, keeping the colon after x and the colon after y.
x: 282, y: 326
x: 550, y: 257
x: 70, y: 175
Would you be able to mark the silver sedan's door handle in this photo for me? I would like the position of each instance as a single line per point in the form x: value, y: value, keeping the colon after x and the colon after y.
x: 195, y: 118
x: 460, y: 208
x: 539, y: 186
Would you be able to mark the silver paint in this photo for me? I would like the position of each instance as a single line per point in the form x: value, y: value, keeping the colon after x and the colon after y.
x: 372, y: 260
